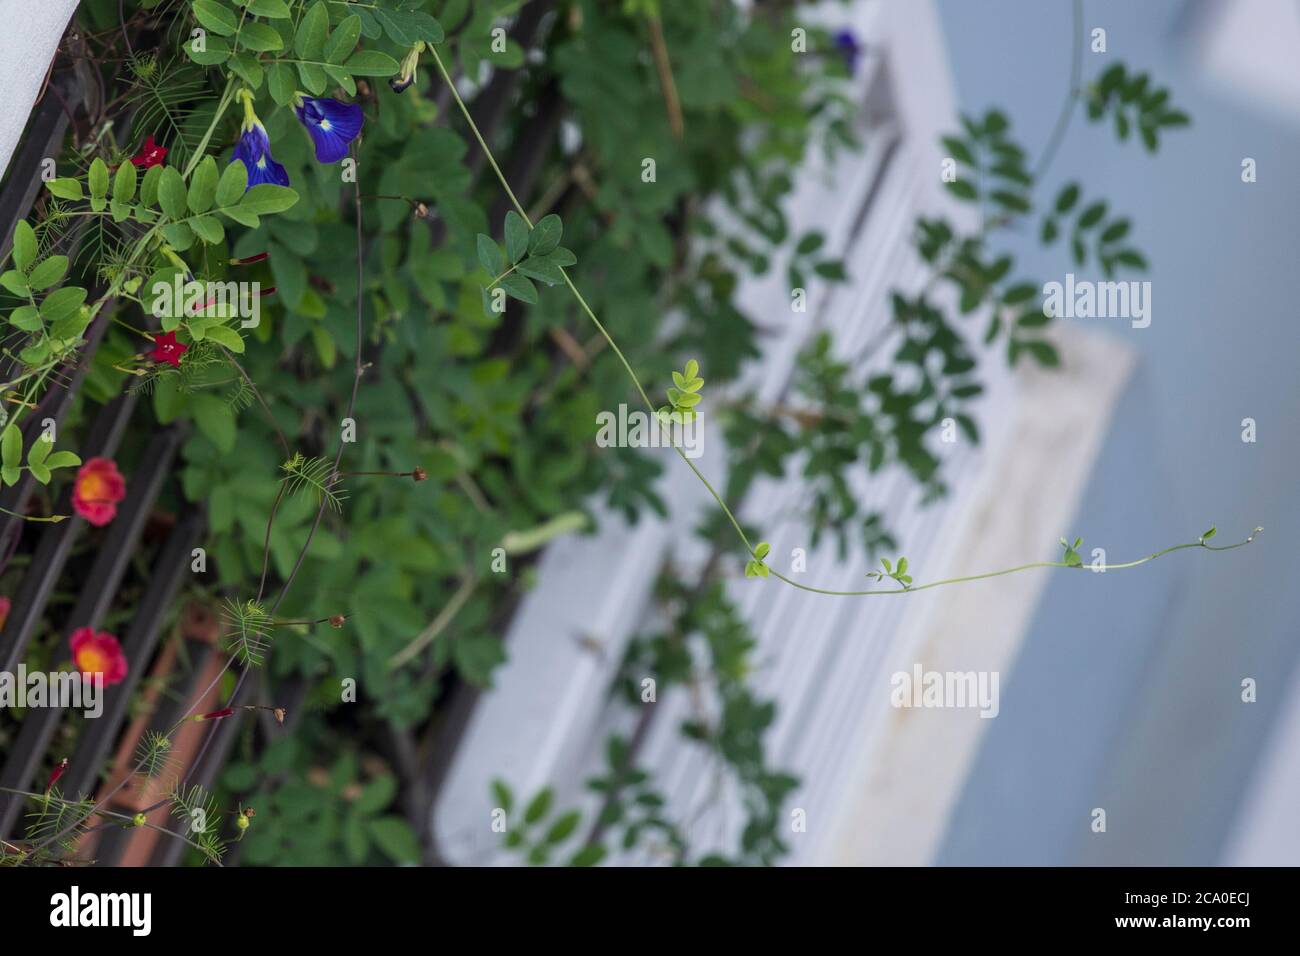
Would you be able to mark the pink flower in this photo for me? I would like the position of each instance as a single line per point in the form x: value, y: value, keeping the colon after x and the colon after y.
x: 5, y: 606
x: 98, y: 653
x: 97, y: 490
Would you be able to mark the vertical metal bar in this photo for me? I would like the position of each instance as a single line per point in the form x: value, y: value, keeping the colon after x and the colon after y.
x: 98, y: 591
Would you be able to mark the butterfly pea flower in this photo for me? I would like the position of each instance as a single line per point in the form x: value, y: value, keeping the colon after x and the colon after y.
x: 846, y: 41
x: 331, y: 125
x: 407, y: 75
x: 254, y: 149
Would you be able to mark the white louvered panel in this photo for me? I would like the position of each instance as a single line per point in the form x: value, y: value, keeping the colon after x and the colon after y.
x: 546, y: 722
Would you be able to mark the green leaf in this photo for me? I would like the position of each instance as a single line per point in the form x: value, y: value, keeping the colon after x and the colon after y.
x: 1131, y: 258
x: 995, y: 122
x: 504, y: 798
x: 832, y: 269
x: 810, y: 243
x: 280, y: 82
x: 203, y: 186
x: 61, y: 303
x: 15, y: 282
x: 216, y: 51
x: 404, y: 27
x: 1210, y: 534
x: 763, y: 550
x: 266, y: 198
x: 1067, y: 197
x: 179, y: 235
x: 215, y: 17
x: 48, y: 272
x: 1009, y: 200
x: 371, y: 63
x: 26, y: 317
x: 36, y: 456
x: 1116, y: 230
x: 313, y: 77
x: 962, y: 189
x: 344, y: 39
x: 215, y: 419
x: 149, y: 186
x: 248, y: 68
x: 377, y: 795
x: 589, y: 855
x: 1021, y: 292
x: 97, y: 179
x: 563, y: 828
x: 560, y: 257
x: 36, y: 354
x: 313, y: 31
x: 208, y: 228
x: 518, y: 287
x: 260, y: 38
x: 225, y: 335
x: 11, y: 453
x: 396, y: 839
x: 63, y: 459
x: 241, y: 216
x: 541, y: 269
x: 1043, y: 353
x: 231, y: 186
x: 171, y: 193
x: 958, y: 150
x: 545, y: 235
x: 516, y: 236
x: 124, y: 182
x: 24, y: 246
x: 71, y: 326
x: 272, y: 9
x: 489, y: 256
x: 65, y: 188
x: 1092, y: 215
x: 539, y: 806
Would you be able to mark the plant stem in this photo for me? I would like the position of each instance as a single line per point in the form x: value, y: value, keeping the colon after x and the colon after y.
x: 582, y: 302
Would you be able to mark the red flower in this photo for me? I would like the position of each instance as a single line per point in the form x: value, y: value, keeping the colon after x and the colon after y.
x: 151, y: 154
x: 5, y: 605
x: 58, y: 772
x: 215, y: 715
x: 97, y: 490
x: 98, y: 653
x: 167, y: 349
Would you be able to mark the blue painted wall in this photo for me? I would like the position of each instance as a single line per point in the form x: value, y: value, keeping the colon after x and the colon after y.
x: 1127, y: 693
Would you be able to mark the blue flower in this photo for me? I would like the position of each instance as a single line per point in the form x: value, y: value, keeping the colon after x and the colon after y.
x: 254, y: 151
x: 332, y: 125
x: 847, y: 43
